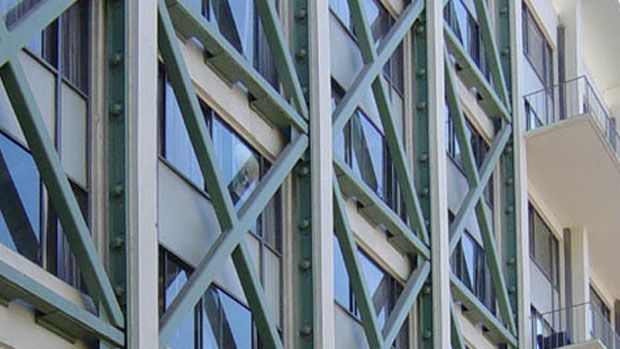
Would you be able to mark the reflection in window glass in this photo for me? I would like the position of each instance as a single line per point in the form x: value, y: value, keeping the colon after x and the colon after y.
x: 367, y: 157
x: 175, y: 276
x: 226, y: 323
x: 383, y: 288
x: 20, y: 202
x: 544, y: 247
x: 239, y: 165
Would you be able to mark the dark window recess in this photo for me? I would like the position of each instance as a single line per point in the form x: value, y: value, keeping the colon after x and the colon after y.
x: 537, y: 49
x: 241, y: 167
x: 468, y: 262
x: 467, y: 31
x: 218, y: 320
x: 544, y: 247
x: 479, y: 147
x: 239, y: 23
x: 384, y: 291
x: 380, y: 22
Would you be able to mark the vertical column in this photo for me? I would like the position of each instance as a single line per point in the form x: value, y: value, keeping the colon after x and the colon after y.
x: 435, y: 319
x: 517, y: 247
x: 580, y: 285
x: 321, y: 165
x: 142, y: 246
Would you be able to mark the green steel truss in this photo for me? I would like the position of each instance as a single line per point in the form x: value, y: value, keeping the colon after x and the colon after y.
x: 496, y: 102
x: 290, y: 113
x: 53, y: 310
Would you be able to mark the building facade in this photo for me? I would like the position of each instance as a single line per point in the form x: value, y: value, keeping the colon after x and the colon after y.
x: 309, y: 174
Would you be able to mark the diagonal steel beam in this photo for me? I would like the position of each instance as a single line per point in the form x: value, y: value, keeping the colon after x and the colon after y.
x: 405, y: 303
x: 392, y: 135
x: 370, y: 72
x: 193, y: 117
x: 32, y: 23
x: 345, y: 236
x: 455, y: 329
x: 229, y: 62
x: 226, y: 243
x: 497, y: 73
x: 402, y: 236
x: 281, y: 53
x: 473, y: 178
x: 53, y: 175
x: 72, y: 318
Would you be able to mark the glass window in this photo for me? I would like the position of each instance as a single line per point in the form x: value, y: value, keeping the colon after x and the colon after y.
x: 544, y: 247
x: 469, y: 264
x: 239, y: 23
x: 537, y: 49
x: 218, y: 320
x: 75, y: 41
x: 383, y: 288
x: 20, y: 203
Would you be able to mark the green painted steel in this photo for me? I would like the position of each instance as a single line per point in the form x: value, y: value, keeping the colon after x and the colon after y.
x: 36, y: 20
x: 348, y: 246
x: 116, y: 106
x: 391, y: 134
x: 479, y: 313
x: 456, y: 336
x: 48, y: 163
x: 497, y: 73
x: 421, y: 121
x: 371, y: 71
x: 405, y: 302
x: 470, y: 74
x: 281, y: 54
x: 230, y: 64
x: 302, y: 187
x: 402, y: 237
x: 55, y: 310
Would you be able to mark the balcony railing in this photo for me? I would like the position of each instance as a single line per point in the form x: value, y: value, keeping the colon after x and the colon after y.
x: 572, y: 325
x: 572, y: 98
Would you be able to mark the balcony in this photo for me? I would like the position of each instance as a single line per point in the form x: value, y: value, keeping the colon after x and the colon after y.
x: 573, y: 164
x: 579, y: 326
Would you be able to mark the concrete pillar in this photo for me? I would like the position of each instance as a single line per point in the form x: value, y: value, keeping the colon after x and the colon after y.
x: 580, y: 285
x: 141, y: 48
x: 321, y: 169
x: 520, y: 182
x: 440, y: 264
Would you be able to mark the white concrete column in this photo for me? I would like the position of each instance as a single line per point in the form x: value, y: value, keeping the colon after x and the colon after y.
x: 141, y: 48
x: 321, y: 170
x: 520, y: 180
x: 440, y: 239
x: 580, y: 282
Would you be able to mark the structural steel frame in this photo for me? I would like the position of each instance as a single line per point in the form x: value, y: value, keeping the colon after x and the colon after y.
x: 289, y: 111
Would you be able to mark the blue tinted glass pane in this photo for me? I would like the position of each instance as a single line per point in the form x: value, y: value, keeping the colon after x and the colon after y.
x: 175, y: 279
x: 178, y: 148
x: 235, y: 19
x: 341, y: 9
x: 379, y: 285
x: 469, y: 257
x: 20, y: 201
x: 341, y: 278
x: 367, y: 157
x: 226, y: 323
x: 239, y: 164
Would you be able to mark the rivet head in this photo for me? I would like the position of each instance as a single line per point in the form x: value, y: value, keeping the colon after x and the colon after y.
x: 301, y: 14
x: 509, y: 209
x: 304, y: 223
x: 424, y: 157
x: 119, y: 291
x: 116, y: 109
x: 421, y: 72
x: 419, y: 30
x: 301, y: 54
x: 303, y: 171
x: 421, y: 106
x: 511, y: 261
x: 305, y: 265
x: 306, y: 330
x: 118, y: 190
x: 424, y: 192
x: 506, y: 51
x: 116, y: 59
x: 118, y: 242
x: 509, y: 181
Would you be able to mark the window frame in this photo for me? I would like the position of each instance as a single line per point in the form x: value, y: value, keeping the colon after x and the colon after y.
x: 554, y: 243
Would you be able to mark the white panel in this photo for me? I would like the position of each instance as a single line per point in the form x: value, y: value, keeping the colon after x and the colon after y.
x: 272, y: 283
x: 540, y: 289
x: 42, y: 83
x: 349, y: 333
x: 73, y: 134
x: 346, y: 60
